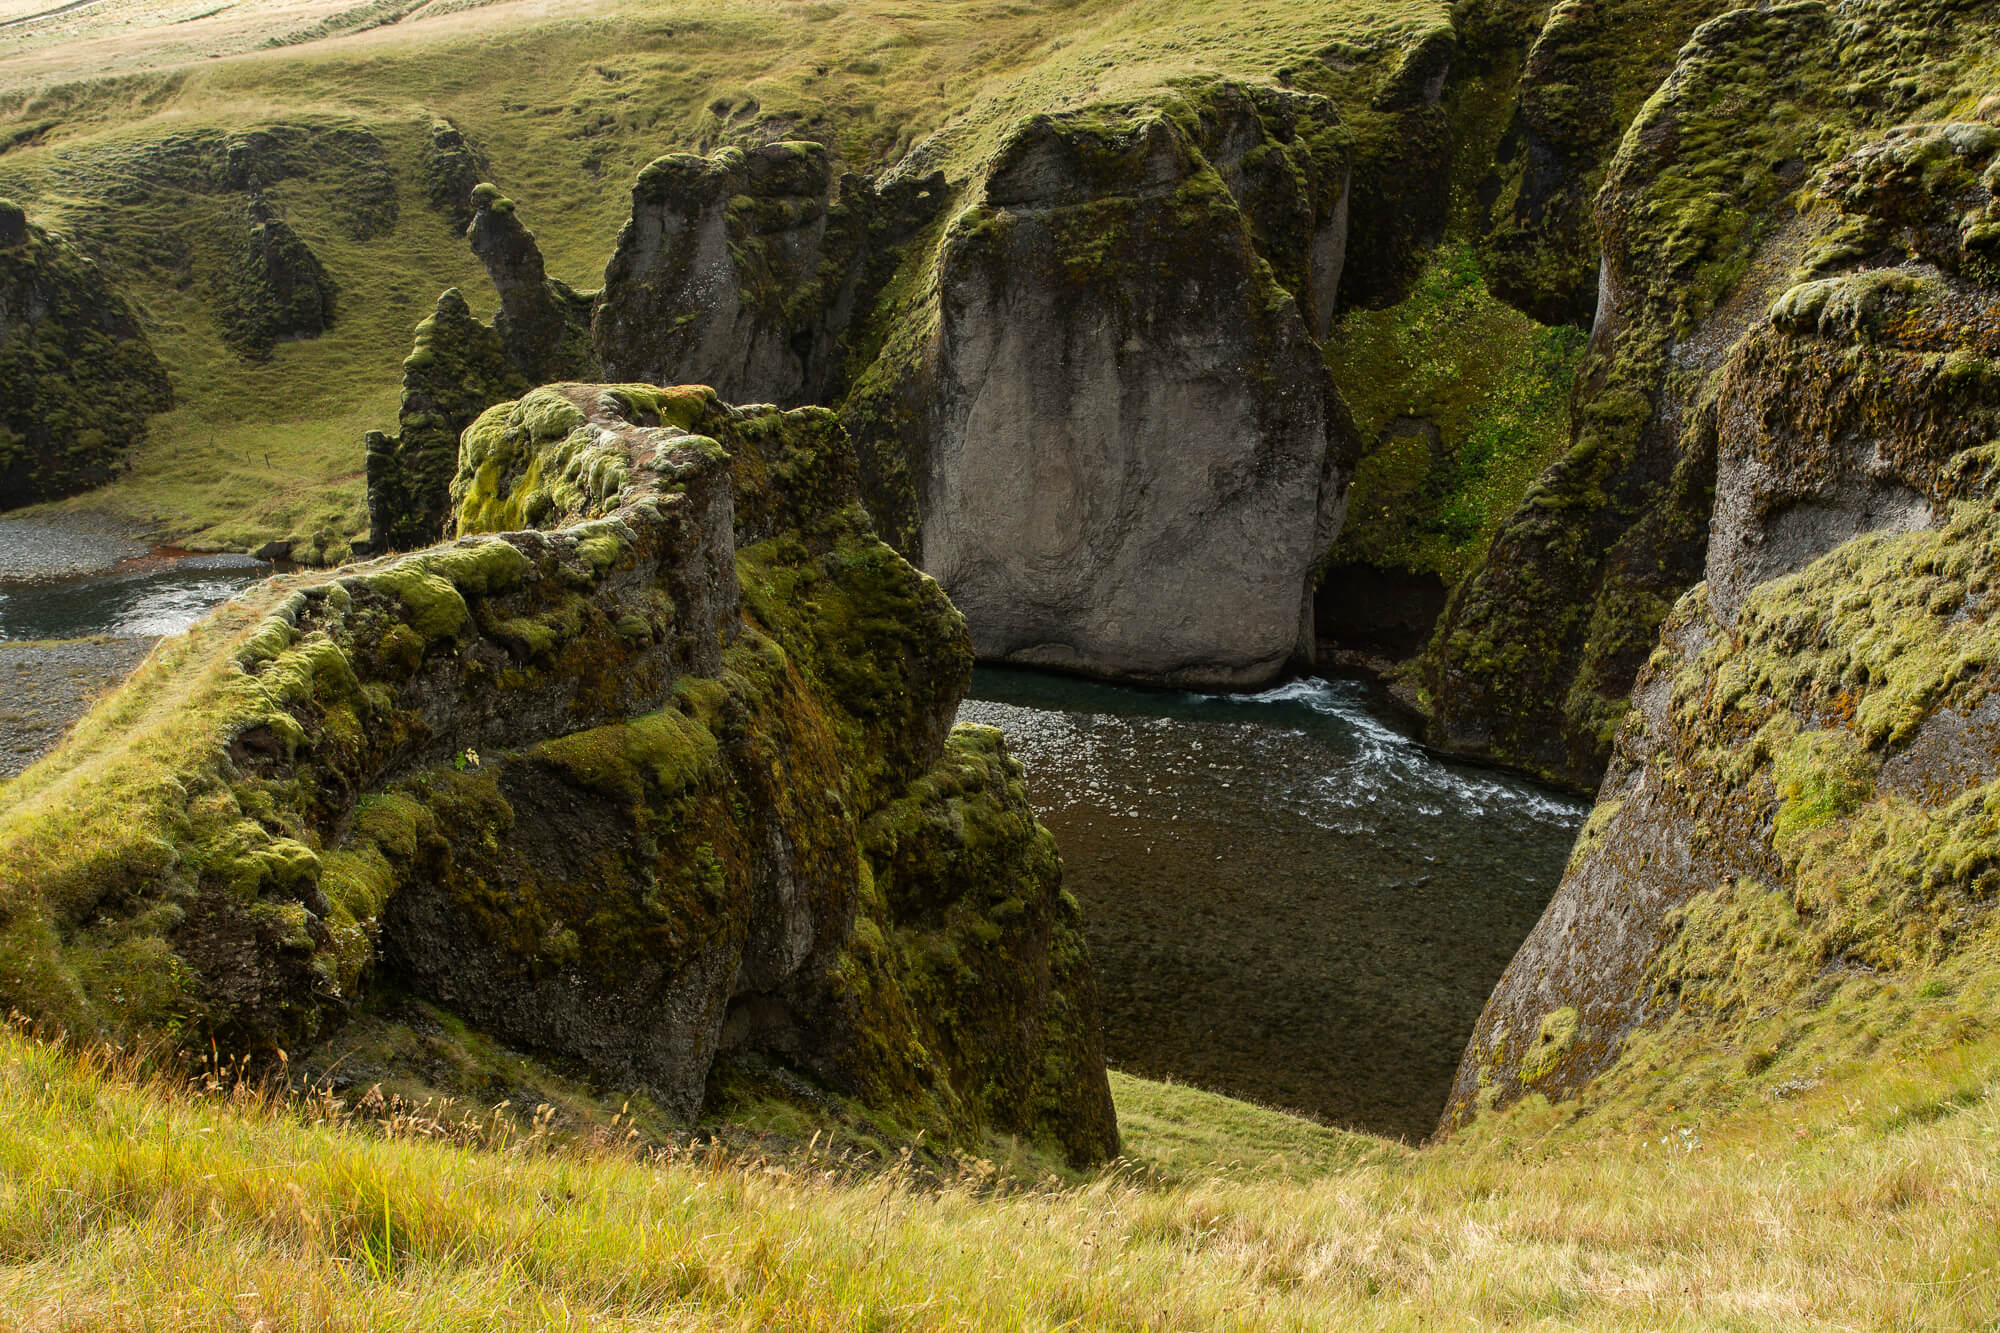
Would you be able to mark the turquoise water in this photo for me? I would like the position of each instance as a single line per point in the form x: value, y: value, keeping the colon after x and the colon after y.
x: 1287, y: 897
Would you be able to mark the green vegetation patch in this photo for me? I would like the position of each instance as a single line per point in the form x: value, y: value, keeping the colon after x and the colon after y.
x: 1464, y: 400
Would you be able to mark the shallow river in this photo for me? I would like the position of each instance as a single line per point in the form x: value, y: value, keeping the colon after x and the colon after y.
x: 150, y: 597
x: 1287, y: 898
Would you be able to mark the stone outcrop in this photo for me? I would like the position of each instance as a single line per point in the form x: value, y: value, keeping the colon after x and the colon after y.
x: 653, y: 766
x: 1585, y: 75
x: 277, y: 288
x: 543, y: 324
x: 745, y: 270
x: 78, y: 378
x: 1135, y: 454
x: 457, y: 370
x: 1797, y: 809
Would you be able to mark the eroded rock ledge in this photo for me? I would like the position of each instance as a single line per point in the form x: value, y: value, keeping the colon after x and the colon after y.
x: 653, y: 764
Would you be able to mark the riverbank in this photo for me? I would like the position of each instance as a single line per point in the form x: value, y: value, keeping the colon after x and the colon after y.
x: 49, y: 683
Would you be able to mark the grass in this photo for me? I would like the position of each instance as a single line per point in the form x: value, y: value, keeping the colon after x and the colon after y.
x: 568, y: 106
x: 130, y: 1200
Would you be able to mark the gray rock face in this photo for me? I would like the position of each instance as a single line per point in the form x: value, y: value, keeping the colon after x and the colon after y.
x: 1843, y: 415
x: 695, y: 292
x: 1136, y: 455
x: 745, y: 270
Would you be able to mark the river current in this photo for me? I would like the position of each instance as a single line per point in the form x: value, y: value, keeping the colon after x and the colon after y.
x: 1287, y: 897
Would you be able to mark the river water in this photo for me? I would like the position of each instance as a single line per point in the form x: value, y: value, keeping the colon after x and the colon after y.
x: 147, y: 598
x: 1287, y: 897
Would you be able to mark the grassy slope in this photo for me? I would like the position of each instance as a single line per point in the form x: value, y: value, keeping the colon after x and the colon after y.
x: 138, y: 1205
x: 568, y: 106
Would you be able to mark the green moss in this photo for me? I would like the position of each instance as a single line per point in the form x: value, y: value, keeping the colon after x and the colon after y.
x: 1490, y: 384
x: 1820, y: 776
x: 657, y: 756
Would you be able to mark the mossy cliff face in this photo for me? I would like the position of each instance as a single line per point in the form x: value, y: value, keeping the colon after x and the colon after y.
x: 1134, y: 455
x: 651, y: 766
x: 1788, y: 867
x: 746, y: 270
x: 78, y: 378
x: 1587, y: 72
x: 1534, y: 658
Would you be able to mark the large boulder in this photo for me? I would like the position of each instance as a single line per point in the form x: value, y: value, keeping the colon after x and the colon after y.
x: 1135, y: 455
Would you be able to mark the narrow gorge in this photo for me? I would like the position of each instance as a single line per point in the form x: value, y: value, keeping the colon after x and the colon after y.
x: 1471, y: 522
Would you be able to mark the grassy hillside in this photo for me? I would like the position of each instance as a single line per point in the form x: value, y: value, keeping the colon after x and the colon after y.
x: 143, y: 1204
x: 566, y: 105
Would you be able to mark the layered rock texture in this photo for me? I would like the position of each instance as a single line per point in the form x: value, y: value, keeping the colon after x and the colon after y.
x: 78, y: 378
x: 1791, y: 859
x: 653, y: 766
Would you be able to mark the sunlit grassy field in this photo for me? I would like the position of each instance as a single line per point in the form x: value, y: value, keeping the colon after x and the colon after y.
x: 134, y: 1203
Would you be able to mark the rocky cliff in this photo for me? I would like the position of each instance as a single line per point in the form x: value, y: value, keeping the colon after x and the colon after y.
x: 1134, y: 455
x: 1790, y: 859
x: 1104, y: 425
x: 78, y: 378
x: 651, y: 766
x: 1534, y: 658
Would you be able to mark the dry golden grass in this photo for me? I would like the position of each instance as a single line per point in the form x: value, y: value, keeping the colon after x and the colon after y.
x: 135, y: 1203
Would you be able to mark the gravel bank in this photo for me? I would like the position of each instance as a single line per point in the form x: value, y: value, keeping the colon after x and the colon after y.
x: 31, y: 550
x: 46, y: 686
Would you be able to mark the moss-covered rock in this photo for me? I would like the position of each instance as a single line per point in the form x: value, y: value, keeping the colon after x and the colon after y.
x: 278, y: 289
x: 453, y: 167
x: 1793, y: 833
x: 1589, y: 69
x: 637, y: 773
x: 78, y: 378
